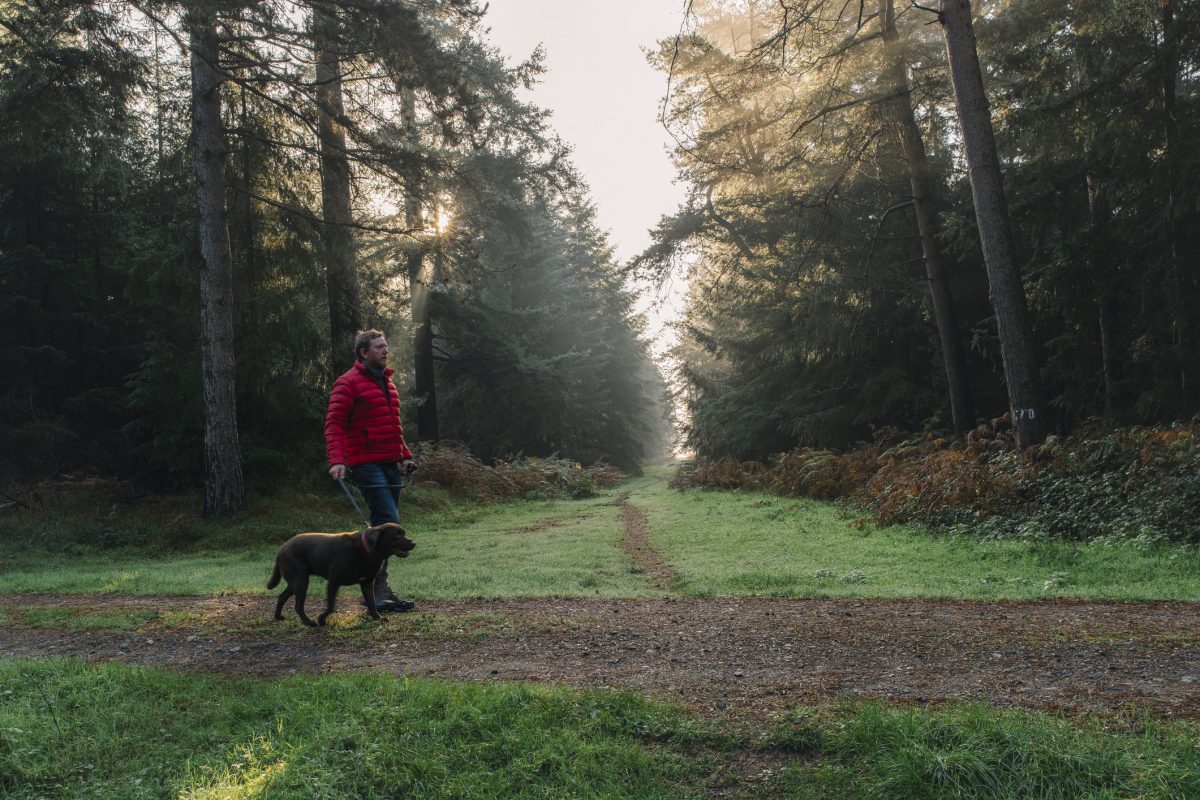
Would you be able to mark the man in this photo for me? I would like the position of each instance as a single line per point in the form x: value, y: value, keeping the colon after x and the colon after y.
x: 363, y: 433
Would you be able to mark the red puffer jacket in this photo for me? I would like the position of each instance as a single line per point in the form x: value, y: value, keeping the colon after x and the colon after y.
x: 363, y: 423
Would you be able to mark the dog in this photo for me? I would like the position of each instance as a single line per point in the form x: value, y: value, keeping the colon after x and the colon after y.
x: 341, y: 559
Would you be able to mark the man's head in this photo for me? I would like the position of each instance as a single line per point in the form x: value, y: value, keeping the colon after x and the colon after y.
x: 371, y: 348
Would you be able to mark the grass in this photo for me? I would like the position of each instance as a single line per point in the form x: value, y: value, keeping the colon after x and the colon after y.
x: 734, y: 543
x: 874, y: 751
x: 59, y: 618
x: 70, y: 730
x: 519, y: 548
x: 73, y: 730
x: 715, y: 543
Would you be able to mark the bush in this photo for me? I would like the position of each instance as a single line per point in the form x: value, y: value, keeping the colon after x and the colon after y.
x: 1139, y: 482
x: 451, y: 466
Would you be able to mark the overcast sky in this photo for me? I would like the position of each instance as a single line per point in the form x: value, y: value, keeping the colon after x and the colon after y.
x: 605, y: 99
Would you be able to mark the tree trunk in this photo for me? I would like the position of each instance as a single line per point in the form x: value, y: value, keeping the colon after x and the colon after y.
x: 258, y: 377
x: 1106, y: 308
x: 991, y: 213
x: 419, y: 285
x: 223, y: 489
x: 1183, y: 283
x: 953, y: 354
x: 1106, y: 302
x: 424, y: 381
x: 337, y: 239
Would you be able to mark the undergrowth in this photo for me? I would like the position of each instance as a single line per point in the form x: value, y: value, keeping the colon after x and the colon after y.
x: 451, y: 466
x: 1137, y: 483
x: 446, y: 491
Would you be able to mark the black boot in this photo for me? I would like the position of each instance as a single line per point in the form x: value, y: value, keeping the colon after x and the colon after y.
x: 385, y: 598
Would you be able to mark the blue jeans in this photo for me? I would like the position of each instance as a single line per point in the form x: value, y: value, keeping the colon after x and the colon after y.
x: 380, y: 486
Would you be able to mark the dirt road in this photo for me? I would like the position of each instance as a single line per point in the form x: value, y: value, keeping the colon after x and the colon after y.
x: 754, y: 657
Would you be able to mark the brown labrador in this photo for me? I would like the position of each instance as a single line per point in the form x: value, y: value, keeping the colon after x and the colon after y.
x: 341, y: 559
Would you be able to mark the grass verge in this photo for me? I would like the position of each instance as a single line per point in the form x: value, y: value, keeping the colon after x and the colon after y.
x: 876, y: 751
x: 722, y: 543
x: 73, y: 730
x: 70, y: 730
x: 567, y: 548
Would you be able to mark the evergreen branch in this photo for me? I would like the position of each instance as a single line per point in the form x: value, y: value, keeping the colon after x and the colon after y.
x: 306, y: 214
x: 827, y: 110
x: 737, y: 239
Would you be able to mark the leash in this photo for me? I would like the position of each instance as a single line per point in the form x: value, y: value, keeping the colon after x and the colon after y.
x: 350, y: 496
x: 353, y: 502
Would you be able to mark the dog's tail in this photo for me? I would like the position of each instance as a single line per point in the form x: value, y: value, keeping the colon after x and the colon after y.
x: 271, y: 584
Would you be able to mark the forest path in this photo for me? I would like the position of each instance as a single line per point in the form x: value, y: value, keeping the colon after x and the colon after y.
x: 749, y: 656
x: 636, y: 542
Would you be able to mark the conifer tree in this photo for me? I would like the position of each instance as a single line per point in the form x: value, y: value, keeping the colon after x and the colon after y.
x: 224, y: 491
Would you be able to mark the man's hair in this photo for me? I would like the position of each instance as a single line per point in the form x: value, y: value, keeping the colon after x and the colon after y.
x: 363, y: 339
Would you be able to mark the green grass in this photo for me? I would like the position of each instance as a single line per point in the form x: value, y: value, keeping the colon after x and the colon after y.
x: 73, y: 730
x: 84, y: 570
x: 70, y: 730
x: 716, y: 544
x: 520, y: 548
x: 59, y: 618
x: 734, y: 543
x: 876, y: 751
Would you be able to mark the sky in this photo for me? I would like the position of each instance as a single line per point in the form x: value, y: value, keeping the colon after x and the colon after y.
x: 605, y: 100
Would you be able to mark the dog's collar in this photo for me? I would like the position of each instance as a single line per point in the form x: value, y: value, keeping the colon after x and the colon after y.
x: 363, y: 539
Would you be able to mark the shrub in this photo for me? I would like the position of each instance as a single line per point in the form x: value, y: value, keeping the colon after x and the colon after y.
x: 451, y: 466
x: 1127, y: 483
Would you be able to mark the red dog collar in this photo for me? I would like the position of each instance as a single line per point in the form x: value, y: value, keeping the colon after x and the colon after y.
x: 363, y: 538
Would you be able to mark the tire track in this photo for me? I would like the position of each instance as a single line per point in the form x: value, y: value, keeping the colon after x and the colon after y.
x: 636, y: 543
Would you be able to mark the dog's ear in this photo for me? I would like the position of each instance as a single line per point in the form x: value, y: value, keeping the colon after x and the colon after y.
x: 373, y: 535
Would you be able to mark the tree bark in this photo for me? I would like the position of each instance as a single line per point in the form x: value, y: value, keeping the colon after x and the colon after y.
x: 953, y: 354
x: 1106, y: 302
x: 249, y: 234
x: 1183, y: 279
x: 424, y: 380
x: 337, y: 238
x: 224, y: 492
x: 419, y: 286
x: 991, y: 213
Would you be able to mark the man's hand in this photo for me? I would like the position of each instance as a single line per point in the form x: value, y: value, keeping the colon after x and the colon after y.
x: 337, y: 472
x: 408, y: 465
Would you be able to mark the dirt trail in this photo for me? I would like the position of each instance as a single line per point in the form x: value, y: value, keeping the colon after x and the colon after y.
x: 748, y: 657
x: 636, y: 543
